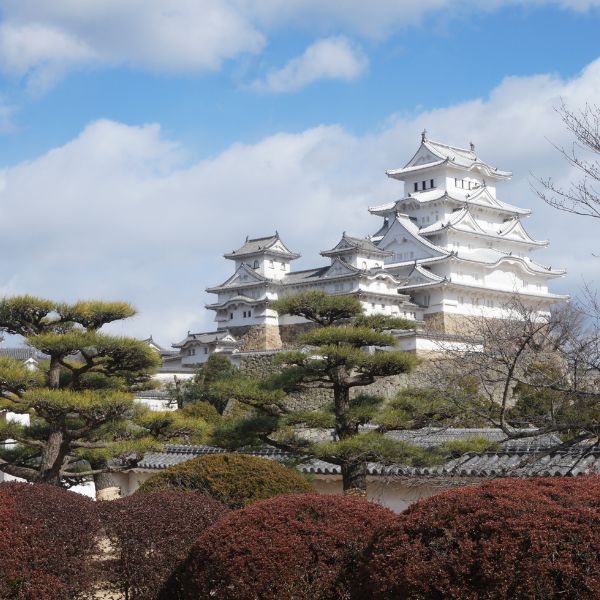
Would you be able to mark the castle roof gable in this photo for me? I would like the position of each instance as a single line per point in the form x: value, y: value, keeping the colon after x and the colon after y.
x: 264, y: 245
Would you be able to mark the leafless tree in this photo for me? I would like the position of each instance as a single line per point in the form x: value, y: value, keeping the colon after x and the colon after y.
x: 581, y: 197
x: 530, y: 374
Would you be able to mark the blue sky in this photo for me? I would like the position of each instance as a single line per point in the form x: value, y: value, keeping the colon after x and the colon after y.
x: 157, y: 135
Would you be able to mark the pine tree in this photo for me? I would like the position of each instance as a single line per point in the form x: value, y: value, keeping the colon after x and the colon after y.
x: 345, y: 350
x: 82, y: 413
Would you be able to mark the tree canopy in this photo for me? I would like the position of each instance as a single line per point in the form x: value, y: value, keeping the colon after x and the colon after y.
x: 82, y: 414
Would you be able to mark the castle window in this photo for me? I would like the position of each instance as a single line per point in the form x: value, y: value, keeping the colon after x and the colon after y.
x: 282, y: 266
x: 231, y: 315
x: 256, y: 264
x: 271, y: 264
x: 424, y: 183
x: 249, y: 314
x: 416, y: 186
x: 431, y: 184
x: 205, y: 350
x: 244, y: 314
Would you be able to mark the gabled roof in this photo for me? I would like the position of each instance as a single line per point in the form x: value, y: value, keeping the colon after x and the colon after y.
x: 410, y: 230
x: 432, y: 154
x: 481, y: 197
x: 265, y: 245
x: 211, y: 337
x: 463, y: 221
x: 513, y: 230
x: 491, y: 258
x: 243, y: 276
x: 157, y: 347
x: 338, y: 268
x: 356, y: 245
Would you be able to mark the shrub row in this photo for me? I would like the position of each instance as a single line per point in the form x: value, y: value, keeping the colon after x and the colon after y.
x: 513, y: 538
x: 518, y: 539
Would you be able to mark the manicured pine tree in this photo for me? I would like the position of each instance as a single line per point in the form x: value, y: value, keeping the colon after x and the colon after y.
x: 345, y: 350
x: 82, y: 412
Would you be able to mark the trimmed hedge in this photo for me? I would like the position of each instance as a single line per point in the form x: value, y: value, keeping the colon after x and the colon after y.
x: 47, y: 541
x: 511, y: 538
x: 151, y: 535
x: 234, y: 479
x: 298, y: 546
x: 20, y: 574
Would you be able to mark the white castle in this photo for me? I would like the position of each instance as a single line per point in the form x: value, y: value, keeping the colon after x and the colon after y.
x: 447, y: 250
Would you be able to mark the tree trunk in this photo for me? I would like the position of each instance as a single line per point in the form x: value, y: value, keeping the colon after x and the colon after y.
x: 354, y: 478
x: 105, y: 484
x: 52, y: 459
x: 354, y: 472
x: 54, y: 373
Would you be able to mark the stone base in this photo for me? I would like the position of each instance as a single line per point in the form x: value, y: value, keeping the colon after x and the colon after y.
x: 257, y: 337
x: 109, y: 493
x: 448, y: 323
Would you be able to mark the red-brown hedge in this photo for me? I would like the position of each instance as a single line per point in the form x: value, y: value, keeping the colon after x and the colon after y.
x: 298, y: 546
x: 513, y: 538
x: 151, y: 534
x: 20, y: 577
x: 48, y: 538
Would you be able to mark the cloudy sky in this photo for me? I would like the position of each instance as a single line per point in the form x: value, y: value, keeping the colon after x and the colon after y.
x: 141, y: 139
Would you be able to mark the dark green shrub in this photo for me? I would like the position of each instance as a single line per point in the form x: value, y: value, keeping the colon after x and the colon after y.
x: 234, y: 479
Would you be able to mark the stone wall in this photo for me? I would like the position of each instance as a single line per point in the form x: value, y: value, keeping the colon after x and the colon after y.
x: 261, y: 365
x: 257, y: 337
x: 448, y: 323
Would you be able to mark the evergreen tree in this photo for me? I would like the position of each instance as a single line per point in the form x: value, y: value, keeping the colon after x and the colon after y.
x: 81, y: 409
x: 345, y: 350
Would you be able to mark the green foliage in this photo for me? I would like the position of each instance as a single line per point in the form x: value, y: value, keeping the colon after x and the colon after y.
x: 368, y: 447
x: 201, y: 389
x: 79, y: 400
x: 236, y: 480
x: 202, y: 410
x: 25, y: 315
x: 336, y: 359
x: 383, y: 322
x: 92, y: 314
x: 414, y: 408
x: 347, y: 335
x: 319, y: 307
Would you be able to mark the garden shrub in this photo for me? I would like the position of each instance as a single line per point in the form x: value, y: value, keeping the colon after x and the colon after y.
x: 20, y: 560
x: 234, y: 479
x: 292, y: 547
x: 535, y: 538
x: 47, y: 542
x: 150, y: 535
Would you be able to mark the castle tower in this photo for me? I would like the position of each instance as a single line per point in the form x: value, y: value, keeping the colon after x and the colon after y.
x: 457, y: 248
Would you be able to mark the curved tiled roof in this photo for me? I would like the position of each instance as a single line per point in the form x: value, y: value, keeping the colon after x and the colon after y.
x: 540, y: 455
x: 22, y: 353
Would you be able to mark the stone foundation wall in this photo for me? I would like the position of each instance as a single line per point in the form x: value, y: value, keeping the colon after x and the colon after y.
x: 257, y: 337
x: 447, y: 323
x: 289, y: 333
x: 261, y: 365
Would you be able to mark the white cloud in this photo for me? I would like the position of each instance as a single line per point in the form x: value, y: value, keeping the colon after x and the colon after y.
x: 378, y: 18
x: 41, y: 40
x: 118, y: 212
x: 329, y: 58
